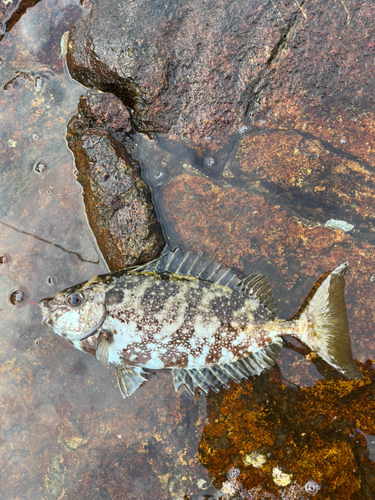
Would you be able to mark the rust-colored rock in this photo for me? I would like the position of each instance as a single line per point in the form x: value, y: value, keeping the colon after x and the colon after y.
x: 322, y: 83
x: 309, y: 179
x: 117, y: 200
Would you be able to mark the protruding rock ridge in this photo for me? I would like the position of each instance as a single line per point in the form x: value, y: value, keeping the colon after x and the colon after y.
x: 185, y: 67
x: 200, y: 70
x: 117, y: 200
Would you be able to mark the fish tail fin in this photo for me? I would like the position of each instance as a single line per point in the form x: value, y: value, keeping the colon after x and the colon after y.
x: 324, y: 327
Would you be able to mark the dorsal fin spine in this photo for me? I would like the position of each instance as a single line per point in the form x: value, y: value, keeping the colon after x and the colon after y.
x: 229, y: 369
x: 238, y: 368
x: 216, y: 375
x: 193, y: 264
x: 197, y: 382
x: 210, y: 261
x: 232, y: 278
x: 223, y: 276
x: 184, y: 259
x: 213, y: 272
x: 170, y: 258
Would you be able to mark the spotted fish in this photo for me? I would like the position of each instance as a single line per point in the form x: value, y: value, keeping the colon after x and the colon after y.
x: 196, y: 318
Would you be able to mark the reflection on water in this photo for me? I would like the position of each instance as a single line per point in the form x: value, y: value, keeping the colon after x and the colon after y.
x: 43, y: 226
x: 65, y: 430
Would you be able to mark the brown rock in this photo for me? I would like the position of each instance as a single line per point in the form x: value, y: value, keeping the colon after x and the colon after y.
x: 104, y: 110
x: 118, y: 202
x: 201, y: 73
x: 184, y: 67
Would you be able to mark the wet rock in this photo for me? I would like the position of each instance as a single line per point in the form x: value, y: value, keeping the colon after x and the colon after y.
x: 200, y: 73
x: 310, y: 179
x: 184, y: 67
x: 321, y: 83
x: 11, y: 11
x: 117, y: 200
x: 104, y: 110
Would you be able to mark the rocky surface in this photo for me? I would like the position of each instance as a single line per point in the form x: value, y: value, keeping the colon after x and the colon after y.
x: 203, y: 72
x: 184, y: 67
x: 313, y: 180
x: 117, y: 200
x: 322, y: 82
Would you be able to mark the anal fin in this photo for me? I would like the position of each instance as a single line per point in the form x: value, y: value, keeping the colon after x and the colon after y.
x: 214, y: 377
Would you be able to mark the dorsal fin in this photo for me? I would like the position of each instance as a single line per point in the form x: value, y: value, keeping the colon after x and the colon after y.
x: 258, y: 287
x: 215, y: 377
x: 255, y: 286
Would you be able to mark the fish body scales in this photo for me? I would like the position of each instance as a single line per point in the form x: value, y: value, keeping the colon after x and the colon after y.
x: 163, y: 321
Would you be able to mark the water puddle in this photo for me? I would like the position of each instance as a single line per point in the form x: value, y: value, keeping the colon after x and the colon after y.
x: 45, y: 241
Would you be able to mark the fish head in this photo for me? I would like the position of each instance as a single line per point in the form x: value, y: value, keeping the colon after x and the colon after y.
x: 76, y: 312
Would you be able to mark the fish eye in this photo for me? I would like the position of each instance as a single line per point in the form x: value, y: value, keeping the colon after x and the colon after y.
x: 75, y: 299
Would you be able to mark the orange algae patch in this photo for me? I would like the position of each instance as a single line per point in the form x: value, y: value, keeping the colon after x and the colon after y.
x: 316, y: 433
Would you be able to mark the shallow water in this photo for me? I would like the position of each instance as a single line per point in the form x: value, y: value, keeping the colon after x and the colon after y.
x: 65, y: 430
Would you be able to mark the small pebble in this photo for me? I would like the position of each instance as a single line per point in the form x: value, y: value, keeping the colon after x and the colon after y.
x: 339, y: 224
x: 38, y: 83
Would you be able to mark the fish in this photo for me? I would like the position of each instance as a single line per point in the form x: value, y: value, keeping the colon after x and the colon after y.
x: 191, y: 315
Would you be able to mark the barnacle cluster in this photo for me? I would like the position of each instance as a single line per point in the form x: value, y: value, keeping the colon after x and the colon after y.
x: 233, y: 489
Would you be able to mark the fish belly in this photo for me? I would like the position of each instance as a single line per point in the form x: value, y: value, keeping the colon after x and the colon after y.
x: 188, y: 346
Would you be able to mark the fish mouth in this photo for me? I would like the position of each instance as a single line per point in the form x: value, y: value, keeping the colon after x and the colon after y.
x: 46, y: 310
